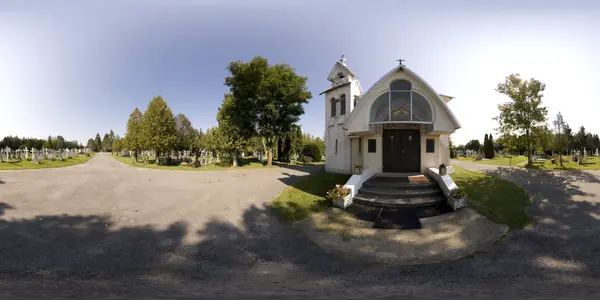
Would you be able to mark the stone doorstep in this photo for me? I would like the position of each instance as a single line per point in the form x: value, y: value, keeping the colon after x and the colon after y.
x: 442, y: 238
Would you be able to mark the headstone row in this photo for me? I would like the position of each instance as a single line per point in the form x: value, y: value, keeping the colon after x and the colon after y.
x: 37, y: 155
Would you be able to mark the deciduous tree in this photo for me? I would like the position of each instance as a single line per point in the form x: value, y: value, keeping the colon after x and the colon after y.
x: 269, y: 99
x: 91, y: 144
x: 524, y: 110
x: 561, y: 140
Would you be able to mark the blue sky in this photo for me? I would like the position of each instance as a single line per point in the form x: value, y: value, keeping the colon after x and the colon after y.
x: 75, y: 68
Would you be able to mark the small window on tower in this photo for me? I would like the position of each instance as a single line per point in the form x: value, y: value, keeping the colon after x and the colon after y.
x: 340, y: 75
x: 333, y: 107
x: 336, y: 147
x: 342, y: 104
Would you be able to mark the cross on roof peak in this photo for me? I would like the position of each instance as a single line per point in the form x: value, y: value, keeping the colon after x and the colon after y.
x: 400, y: 61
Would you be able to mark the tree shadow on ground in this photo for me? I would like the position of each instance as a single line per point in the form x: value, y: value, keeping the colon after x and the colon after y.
x: 2, y: 182
x: 309, y: 168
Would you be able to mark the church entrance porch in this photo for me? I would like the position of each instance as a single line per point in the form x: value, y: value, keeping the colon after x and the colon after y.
x: 401, y: 151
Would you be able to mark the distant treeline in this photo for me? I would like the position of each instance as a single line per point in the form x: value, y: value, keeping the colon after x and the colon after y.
x: 56, y: 142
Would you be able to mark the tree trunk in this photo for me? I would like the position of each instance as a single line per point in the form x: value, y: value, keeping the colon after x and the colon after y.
x: 560, y: 158
x: 528, y: 147
x: 135, y: 155
x: 269, y: 157
x: 234, y: 162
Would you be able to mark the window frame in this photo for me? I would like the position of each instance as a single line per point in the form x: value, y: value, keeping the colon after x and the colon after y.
x: 372, y: 145
x: 336, y: 147
x: 333, y: 107
x: 429, y: 143
x: 342, y: 104
x: 389, y: 92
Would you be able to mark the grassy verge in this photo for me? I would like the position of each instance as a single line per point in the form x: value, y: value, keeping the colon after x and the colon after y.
x: 300, y: 200
x: 500, y: 200
x: 244, y: 163
x: 249, y: 163
x: 44, y: 164
x: 500, y: 161
x: 590, y: 163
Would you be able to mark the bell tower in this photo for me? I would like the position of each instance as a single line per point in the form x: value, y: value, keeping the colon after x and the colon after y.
x: 340, y: 100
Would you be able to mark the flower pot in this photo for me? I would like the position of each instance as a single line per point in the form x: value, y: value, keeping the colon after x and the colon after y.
x: 342, y: 203
x: 456, y: 203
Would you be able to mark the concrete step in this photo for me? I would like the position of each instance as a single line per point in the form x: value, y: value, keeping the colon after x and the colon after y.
x: 400, y: 185
x: 397, y: 202
x: 400, y: 192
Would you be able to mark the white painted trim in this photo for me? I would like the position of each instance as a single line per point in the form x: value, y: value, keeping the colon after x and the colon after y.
x: 355, y: 183
x: 445, y: 181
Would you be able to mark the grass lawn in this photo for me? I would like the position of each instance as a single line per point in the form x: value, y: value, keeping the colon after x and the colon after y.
x: 501, y: 201
x: 244, y: 163
x: 44, y: 164
x: 499, y: 160
x: 590, y: 163
x: 306, y: 197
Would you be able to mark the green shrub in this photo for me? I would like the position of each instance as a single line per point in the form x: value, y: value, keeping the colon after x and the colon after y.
x: 313, y: 151
x: 306, y: 159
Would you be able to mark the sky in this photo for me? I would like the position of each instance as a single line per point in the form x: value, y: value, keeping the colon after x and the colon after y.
x: 75, y: 68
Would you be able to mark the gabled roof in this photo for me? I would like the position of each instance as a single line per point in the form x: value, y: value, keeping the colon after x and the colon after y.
x: 415, y: 75
x: 337, y: 68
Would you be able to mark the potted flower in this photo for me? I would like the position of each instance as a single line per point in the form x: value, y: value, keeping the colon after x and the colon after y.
x: 457, y: 198
x: 338, y: 195
x: 358, y: 169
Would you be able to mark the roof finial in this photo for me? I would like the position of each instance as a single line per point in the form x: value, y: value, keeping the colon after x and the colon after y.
x: 343, y: 60
x: 400, y: 62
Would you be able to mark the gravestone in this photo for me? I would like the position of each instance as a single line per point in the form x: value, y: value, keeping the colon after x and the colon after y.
x: 58, y: 155
x: 34, y: 156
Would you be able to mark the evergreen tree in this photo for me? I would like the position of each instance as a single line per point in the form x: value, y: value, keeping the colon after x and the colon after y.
x: 230, y: 134
x: 158, y: 127
x: 97, y: 143
x: 186, y: 134
x: 133, y: 136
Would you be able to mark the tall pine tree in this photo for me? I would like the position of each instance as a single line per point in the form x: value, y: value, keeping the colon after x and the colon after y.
x: 133, y: 136
x: 158, y: 127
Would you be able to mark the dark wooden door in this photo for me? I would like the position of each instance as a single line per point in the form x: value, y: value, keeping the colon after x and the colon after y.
x: 401, y: 150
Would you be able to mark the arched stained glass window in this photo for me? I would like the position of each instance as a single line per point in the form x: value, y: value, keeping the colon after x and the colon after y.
x: 400, y: 109
x: 400, y: 85
x: 401, y: 105
x: 421, y: 111
x: 380, y: 110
